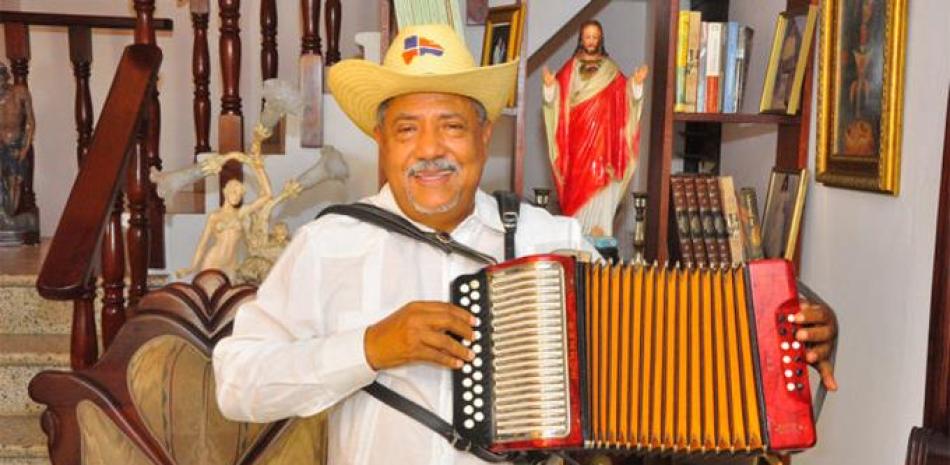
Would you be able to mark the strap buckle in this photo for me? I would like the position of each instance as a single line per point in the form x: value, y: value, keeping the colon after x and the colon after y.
x: 456, y: 437
x: 509, y: 219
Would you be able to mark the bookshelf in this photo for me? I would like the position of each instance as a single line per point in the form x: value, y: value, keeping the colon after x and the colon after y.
x: 792, y: 131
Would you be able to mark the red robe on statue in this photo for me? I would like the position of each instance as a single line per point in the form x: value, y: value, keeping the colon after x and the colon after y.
x: 593, y: 150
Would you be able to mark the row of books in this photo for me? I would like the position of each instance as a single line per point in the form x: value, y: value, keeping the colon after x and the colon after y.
x: 712, y: 62
x: 713, y: 228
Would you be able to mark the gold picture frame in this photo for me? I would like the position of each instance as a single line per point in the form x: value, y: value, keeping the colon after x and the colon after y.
x: 794, y: 32
x: 861, y: 94
x: 504, y: 29
x: 782, y: 216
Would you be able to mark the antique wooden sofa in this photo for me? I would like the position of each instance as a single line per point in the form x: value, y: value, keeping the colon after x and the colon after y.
x: 150, y: 398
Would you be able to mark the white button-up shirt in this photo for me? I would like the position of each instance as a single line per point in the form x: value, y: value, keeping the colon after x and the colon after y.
x: 298, y: 348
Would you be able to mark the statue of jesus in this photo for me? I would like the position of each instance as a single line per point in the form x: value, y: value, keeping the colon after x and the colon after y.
x: 592, y: 121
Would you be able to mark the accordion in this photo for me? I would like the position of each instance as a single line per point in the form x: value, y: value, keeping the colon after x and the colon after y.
x: 655, y: 359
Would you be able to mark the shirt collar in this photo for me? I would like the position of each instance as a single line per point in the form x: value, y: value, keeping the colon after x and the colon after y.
x: 486, y: 209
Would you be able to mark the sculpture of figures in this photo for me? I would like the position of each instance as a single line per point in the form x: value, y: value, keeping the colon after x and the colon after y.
x: 592, y: 121
x: 16, y: 136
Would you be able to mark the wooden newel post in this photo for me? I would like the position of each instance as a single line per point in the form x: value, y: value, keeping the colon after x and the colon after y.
x: 80, y: 54
x: 311, y: 76
x: 83, y: 345
x: 201, y: 72
x: 333, y: 17
x: 231, y: 121
x: 144, y: 29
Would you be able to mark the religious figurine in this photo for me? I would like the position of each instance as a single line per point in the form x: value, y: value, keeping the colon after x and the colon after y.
x: 17, y: 125
x: 592, y: 121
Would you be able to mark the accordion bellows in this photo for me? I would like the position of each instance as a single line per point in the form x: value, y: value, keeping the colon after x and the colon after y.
x: 637, y: 357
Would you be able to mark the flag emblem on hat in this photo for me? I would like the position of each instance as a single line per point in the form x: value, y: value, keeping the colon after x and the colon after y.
x: 415, y: 46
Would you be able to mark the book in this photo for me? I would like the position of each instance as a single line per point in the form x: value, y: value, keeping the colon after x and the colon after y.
x: 743, y: 53
x: 682, y: 58
x: 701, y: 79
x: 681, y: 231
x: 692, y: 61
x: 713, y: 67
x: 708, y: 223
x: 719, y: 222
x: 751, y: 226
x: 730, y: 213
x: 695, y: 222
x: 729, y: 68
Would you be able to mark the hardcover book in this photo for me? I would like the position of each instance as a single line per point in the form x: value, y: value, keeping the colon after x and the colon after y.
x: 692, y: 61
x: 708, y: 221
x: 719, y: 222
x: 713, y: 67
x: 729, y: 78
x: 730, y: 212
x: 682, y: 59
x: 695, y: 222
x: 681, y: 218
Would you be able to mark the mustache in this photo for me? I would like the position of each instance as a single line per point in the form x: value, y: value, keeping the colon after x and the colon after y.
x: 435, y: 164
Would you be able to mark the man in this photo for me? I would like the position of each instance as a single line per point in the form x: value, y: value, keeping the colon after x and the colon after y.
x: 592, y: 121
x: 16, y: 134
x: 349, y: 303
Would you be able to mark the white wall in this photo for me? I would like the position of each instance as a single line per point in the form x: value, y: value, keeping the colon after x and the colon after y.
x: 869, y: 255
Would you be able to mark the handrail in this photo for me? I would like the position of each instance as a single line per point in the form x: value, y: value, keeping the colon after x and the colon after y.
x: 91, y: 21
x: 73, y: 251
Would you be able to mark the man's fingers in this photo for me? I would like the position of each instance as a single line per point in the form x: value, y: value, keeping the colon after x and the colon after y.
x: 827, y: 373
x: 447, y: 345
x: 818, y: 352
x: 810, y: 313
x: 428, y: 354
x: 815, y: 333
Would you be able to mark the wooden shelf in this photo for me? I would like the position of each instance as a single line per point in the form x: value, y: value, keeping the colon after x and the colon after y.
x: 737, y: 118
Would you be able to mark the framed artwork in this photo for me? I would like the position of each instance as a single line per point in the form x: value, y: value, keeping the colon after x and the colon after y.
x: 504, y: 29
x: 784, y: 203
x: 786, y: 71
x: 861, y: 94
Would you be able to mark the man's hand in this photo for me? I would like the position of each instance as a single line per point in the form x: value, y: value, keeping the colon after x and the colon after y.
x: 819, y: 333
x: 419, y: 332
x: 640, y: 75
x: 549, y: 79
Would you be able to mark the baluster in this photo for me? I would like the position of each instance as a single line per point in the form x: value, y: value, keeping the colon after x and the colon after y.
x: 231, y: 122
x: 137, y: 191
x: 201, y: 70
x: 17, y: 37
x: 144, y: 29
x: 269, y: 55
x: 311, y: 76
x: 80, y: 53
x: 332, y: 26
x: 156, y: 206
x: 83, y: 346
x: 113, y: 275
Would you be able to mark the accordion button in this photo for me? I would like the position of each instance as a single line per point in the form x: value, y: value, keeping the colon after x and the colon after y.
x: 477, y: 362
x: 791, y: 318
x: 467, y: 368
x: 477, y: 348
x: 799, y: 372
x: 790, y: 386
x: 798, y: 386
x: 478, y: 321
x: 464, y: 288
x: 477, y: 375
x: 467, y: 382
x: 476, y: 335
x: 479, y: 416
x: 467, y: 396
x: 478, y: 389
x: 476, y: 295
x: 786, y: 359
x: 479, y: 403
x: 464, y: 301
x: 468, y: 410
x: 469, y: 424
x: 466, y: 342
x: 475, y: 308
x: 785, y: 345
x: 789, y: 373
x: 475, y: 284
x: 796, y: 345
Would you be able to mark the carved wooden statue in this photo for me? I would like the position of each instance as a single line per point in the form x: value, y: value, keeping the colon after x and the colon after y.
x: 16, y: 137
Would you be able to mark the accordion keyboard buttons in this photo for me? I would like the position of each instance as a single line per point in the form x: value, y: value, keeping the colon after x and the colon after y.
x: 467, y: 395
x: 467, y: 368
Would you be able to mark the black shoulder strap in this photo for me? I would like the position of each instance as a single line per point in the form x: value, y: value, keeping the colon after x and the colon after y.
x: 394, y: 223
x: 509, y: 208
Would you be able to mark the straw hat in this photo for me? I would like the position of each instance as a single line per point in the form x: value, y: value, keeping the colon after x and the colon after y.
x: 423, y: 58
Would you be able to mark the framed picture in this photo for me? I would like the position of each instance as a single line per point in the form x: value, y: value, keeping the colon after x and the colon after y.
x: 786, y: 71
x: 861, y: 94
x: 784, y: 203
x: 503, y: 35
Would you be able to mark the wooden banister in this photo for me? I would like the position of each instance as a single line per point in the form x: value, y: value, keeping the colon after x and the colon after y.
x: 332, y: 18
x: 90, y: 21
x: 201, y: 71
x: 231, y: 121
x: 80, y: 54
x: 269, y: 56
x: 73, y: 250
